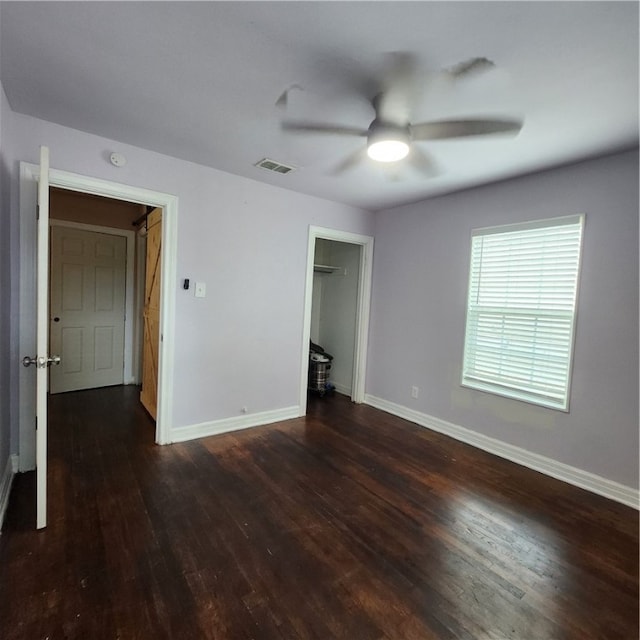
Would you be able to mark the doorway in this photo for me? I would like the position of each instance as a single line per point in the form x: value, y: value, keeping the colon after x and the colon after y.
x: 337, y: 303
x: 104, y: 294
x: 334, y: 307
x: 29, y: 175
x: 92, y: 276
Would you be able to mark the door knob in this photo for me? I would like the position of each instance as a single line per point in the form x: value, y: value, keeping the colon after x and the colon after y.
x: 56, y: 319
x: 40, y: 362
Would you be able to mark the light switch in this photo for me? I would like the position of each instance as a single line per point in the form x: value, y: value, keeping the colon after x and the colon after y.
x: 200, y: 289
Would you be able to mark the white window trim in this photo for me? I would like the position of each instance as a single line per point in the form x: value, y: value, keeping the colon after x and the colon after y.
x: 503, y: 390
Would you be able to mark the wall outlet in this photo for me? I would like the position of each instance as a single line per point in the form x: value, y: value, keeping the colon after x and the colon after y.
x: 415, y: 392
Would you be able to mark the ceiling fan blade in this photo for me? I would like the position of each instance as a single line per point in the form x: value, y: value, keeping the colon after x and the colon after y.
x: 319, y: 127
x: 283, y: 100
x: 392, y: 171
x: 417, y: 159
x: 351, y: 161
x: 470, y: 67
x: 422, y: 162
x: 443, y: 129
x: 397, y: 94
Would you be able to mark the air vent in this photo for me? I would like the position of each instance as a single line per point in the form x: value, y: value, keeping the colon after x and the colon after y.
x: 272, y: 165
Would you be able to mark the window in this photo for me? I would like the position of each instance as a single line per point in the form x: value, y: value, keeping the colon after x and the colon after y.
x: 521, y: 309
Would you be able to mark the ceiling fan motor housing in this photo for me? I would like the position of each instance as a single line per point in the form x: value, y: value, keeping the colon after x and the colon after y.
x: 379, y: 130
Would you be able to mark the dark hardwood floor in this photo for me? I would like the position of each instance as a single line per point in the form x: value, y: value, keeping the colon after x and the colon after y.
x: 347, y: 524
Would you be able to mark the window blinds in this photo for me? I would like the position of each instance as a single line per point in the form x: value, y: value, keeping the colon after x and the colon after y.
x: 521, y: 310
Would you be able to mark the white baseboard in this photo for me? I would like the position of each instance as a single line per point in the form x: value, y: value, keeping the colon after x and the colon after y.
x: 342, y: 388
x: 559, y: 470
x: 181, y: 434
x: 10, y: 470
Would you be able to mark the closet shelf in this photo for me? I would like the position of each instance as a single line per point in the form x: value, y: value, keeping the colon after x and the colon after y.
x: 325, y: 268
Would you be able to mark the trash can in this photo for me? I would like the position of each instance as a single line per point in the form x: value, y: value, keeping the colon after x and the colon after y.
x: 319, y: 365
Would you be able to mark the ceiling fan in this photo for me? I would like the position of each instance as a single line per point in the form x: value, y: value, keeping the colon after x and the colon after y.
x: 391, y: 136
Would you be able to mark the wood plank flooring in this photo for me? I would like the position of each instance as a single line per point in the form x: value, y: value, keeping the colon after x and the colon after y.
x: 347, y: 524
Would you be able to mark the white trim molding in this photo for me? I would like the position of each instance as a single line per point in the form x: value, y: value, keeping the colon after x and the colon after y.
x: 362, y: 314
x: 225, y: 425
x: 559, y: 470
x: 10, y: 470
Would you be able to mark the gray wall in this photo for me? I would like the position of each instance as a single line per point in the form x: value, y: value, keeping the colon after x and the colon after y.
x: 246, y: 240
x: 420, y: 284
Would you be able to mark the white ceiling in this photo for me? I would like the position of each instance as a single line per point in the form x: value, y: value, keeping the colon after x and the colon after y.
x: 199, y: 81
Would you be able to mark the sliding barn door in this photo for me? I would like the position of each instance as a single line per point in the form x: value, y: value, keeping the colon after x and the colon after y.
x: 151, y: 314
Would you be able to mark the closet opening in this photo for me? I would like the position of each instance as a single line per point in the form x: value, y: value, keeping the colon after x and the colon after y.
x: 333, y: 316
x: 336, y: 325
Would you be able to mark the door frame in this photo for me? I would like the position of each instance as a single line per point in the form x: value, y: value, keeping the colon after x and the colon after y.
x: 363, y: 309
x: 130, y: 314
x: 29, y: 176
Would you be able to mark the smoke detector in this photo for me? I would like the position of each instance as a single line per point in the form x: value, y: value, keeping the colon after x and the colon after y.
x: 117, y: 159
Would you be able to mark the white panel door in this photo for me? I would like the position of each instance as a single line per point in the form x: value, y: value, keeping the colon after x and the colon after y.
x: 88, y: 275
x: 41, y: 359
x: 42, y: 340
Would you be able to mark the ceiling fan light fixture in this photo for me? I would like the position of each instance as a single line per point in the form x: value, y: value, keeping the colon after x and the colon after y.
x: 388, y: 150
x: 387, y: 143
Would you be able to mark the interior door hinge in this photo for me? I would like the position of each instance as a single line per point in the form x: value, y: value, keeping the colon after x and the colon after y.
x: 38, y: 212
